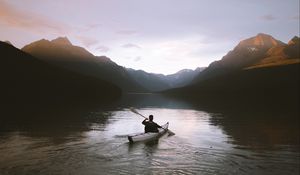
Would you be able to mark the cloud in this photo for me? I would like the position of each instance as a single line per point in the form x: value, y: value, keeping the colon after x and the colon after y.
x: 126, y: 32
x: 135, y: 59
x: 87, y: 41
x: 138, y: 58
x: 129, y: 45
x: 93, y: 26
x: 89, y: 27
x: 296, y: 17
x: 268, y: 17
x: 102, y: 49
x: 13, y: 17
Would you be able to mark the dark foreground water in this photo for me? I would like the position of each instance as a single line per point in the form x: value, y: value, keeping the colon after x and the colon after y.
x: 206, y: 142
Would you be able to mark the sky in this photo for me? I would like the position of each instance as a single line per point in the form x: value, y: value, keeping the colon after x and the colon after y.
x: 159, y: 36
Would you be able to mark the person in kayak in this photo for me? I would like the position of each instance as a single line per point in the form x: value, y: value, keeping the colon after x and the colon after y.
x: 150, y: 126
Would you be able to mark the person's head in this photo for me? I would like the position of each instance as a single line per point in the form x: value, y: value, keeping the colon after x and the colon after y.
x: 150, y: 117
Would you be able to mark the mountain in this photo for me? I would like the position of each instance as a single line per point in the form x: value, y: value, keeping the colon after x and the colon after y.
x: 257, y: 51
x: 8, y: 42
x: 270, y: 86
x: 150, y: 81
x: 292, y: 50
x: 57, y: 50
x: 258, y: 69
x: 183, y: 77
x: 260, y: 41
x: 160, y: 82
x: 64, y: 41
x: 280, y: 55
x: 62, y: 53
x: 30, y: 82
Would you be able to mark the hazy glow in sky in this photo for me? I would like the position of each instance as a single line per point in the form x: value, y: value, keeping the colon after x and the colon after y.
x: 161, y: 36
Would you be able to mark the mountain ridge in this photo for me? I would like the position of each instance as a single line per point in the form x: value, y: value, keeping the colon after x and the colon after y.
x: 62, y: 41
x: 258, y: 51
x: 160, y: 82
x: 61, y: 52
x: 247, y: 54
x: 260, y: 40
x: 59, y: 49
x: 266, y: 75
x: 30, y: 82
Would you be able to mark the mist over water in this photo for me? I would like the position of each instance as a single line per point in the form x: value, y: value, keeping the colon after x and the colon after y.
x: 210, y: 139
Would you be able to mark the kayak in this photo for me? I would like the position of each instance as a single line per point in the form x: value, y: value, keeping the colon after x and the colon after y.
x: 149, y: 135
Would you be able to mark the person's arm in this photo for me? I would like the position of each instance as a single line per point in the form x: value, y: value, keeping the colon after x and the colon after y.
x: 144, y: 122
x: 158, y: 125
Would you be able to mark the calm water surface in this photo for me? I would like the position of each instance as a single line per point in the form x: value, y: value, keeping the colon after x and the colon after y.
x: 95, y: 142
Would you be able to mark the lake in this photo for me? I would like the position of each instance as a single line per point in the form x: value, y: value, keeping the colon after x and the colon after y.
x: 223, y: 139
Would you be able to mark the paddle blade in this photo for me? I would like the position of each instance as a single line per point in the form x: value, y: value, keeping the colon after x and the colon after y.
x: 133, y: 110
x: 136, y: 112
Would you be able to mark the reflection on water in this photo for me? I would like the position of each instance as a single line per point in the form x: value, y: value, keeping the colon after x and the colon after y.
x: 212, y: 141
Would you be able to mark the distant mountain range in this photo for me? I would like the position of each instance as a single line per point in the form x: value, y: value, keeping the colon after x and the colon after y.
x: 260, y: 67
x: 61, y: 52
x: 27, y: 81
x: 160, y: 82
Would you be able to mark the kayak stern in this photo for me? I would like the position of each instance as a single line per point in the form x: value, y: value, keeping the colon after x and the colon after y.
x: 148, y: 136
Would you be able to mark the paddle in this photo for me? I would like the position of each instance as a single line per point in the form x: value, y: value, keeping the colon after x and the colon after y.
x: 136, y: 112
